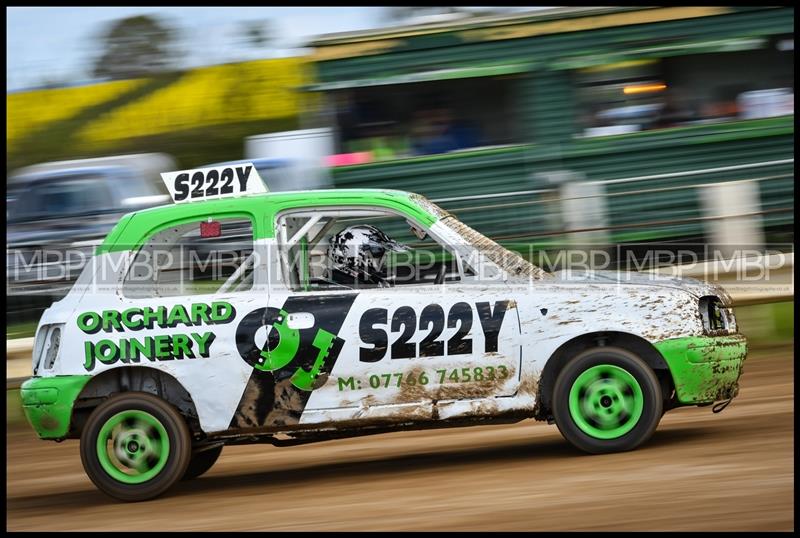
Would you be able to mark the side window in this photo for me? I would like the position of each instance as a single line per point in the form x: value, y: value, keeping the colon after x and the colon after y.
x: 197, y: 258
x: 62, y: 198
x: 360, y: 249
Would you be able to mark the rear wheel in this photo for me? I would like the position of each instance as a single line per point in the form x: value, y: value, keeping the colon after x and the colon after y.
x: 607, y: 400
x: 135, y: 446
x: 202, y: 460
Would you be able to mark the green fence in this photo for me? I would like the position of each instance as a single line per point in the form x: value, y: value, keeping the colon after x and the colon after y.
x: 502, y: 192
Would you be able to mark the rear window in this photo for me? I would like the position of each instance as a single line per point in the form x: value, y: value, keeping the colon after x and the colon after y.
x: 197, y: 258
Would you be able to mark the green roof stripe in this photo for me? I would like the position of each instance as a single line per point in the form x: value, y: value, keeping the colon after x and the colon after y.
x: 131, y: 231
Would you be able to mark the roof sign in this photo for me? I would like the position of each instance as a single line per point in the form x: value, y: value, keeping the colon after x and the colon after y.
x: 213, y: 182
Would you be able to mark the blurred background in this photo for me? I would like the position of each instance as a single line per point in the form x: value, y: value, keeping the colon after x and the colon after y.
x: 628, y: 130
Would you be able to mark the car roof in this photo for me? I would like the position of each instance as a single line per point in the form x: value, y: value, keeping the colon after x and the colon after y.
x: 69, y: 172
x: 146, y: 164
x: 282, y: 197
x: 132, y: 227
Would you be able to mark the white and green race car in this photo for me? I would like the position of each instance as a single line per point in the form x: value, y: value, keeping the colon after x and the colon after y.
x: 157, y: 358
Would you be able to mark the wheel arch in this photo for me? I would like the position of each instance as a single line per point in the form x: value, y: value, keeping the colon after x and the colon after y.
x: 133, y: 379
x: 569, y: 349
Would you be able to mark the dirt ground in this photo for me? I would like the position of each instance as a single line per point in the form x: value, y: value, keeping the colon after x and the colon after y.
x: 700, y: 471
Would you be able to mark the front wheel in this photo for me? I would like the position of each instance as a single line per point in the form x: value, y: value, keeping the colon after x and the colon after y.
x: 135, y: 446
x: 607, y: 400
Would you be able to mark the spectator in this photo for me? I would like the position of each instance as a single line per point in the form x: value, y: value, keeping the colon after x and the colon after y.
x: 672, y: 114
x: 434, y: 131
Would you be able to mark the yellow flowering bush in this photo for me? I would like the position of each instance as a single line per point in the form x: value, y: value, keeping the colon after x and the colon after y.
x: 33, y: 110
x: 263, y: 89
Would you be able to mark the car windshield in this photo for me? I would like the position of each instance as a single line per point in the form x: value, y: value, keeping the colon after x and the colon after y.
x: 507, y: 260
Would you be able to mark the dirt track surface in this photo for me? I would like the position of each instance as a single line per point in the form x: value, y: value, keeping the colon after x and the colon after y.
x: 700, y: 471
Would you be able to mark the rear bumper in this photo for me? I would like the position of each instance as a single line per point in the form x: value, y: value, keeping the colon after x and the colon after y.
x: 705, y: 369
x: 48, y: 401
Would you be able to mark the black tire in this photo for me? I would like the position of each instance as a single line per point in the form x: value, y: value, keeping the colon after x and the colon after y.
x: 202, y: 461
x: 643, y: 398
x: 171, y: 463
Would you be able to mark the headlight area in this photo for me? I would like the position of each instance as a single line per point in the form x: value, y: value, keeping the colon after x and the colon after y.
x: 46, y: 347
x: 718, y: 319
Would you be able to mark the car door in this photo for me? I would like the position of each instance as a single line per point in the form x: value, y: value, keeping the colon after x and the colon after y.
x: 388, y: 352
x: 419, y: 344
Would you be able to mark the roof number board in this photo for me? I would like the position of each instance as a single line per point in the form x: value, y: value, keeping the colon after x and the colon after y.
x: 212, y: 183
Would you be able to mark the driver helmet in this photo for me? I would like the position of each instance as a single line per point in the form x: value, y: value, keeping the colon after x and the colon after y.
x: 360, y: 251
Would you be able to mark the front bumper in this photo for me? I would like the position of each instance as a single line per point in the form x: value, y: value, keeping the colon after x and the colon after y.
x: 705, y: 369
x: 48, y: 402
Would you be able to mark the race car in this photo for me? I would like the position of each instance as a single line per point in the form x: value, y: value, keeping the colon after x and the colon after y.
x: 342, y: 313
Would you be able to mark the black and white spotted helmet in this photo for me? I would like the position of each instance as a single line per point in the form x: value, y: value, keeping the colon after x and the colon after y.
x: 361, y: 250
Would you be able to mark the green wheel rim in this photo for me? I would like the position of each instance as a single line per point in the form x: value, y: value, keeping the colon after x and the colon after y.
x: 606, y: 401
x: 133, y: 447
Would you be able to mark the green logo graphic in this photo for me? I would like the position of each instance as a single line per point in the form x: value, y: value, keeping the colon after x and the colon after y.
x: 282, y: 346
